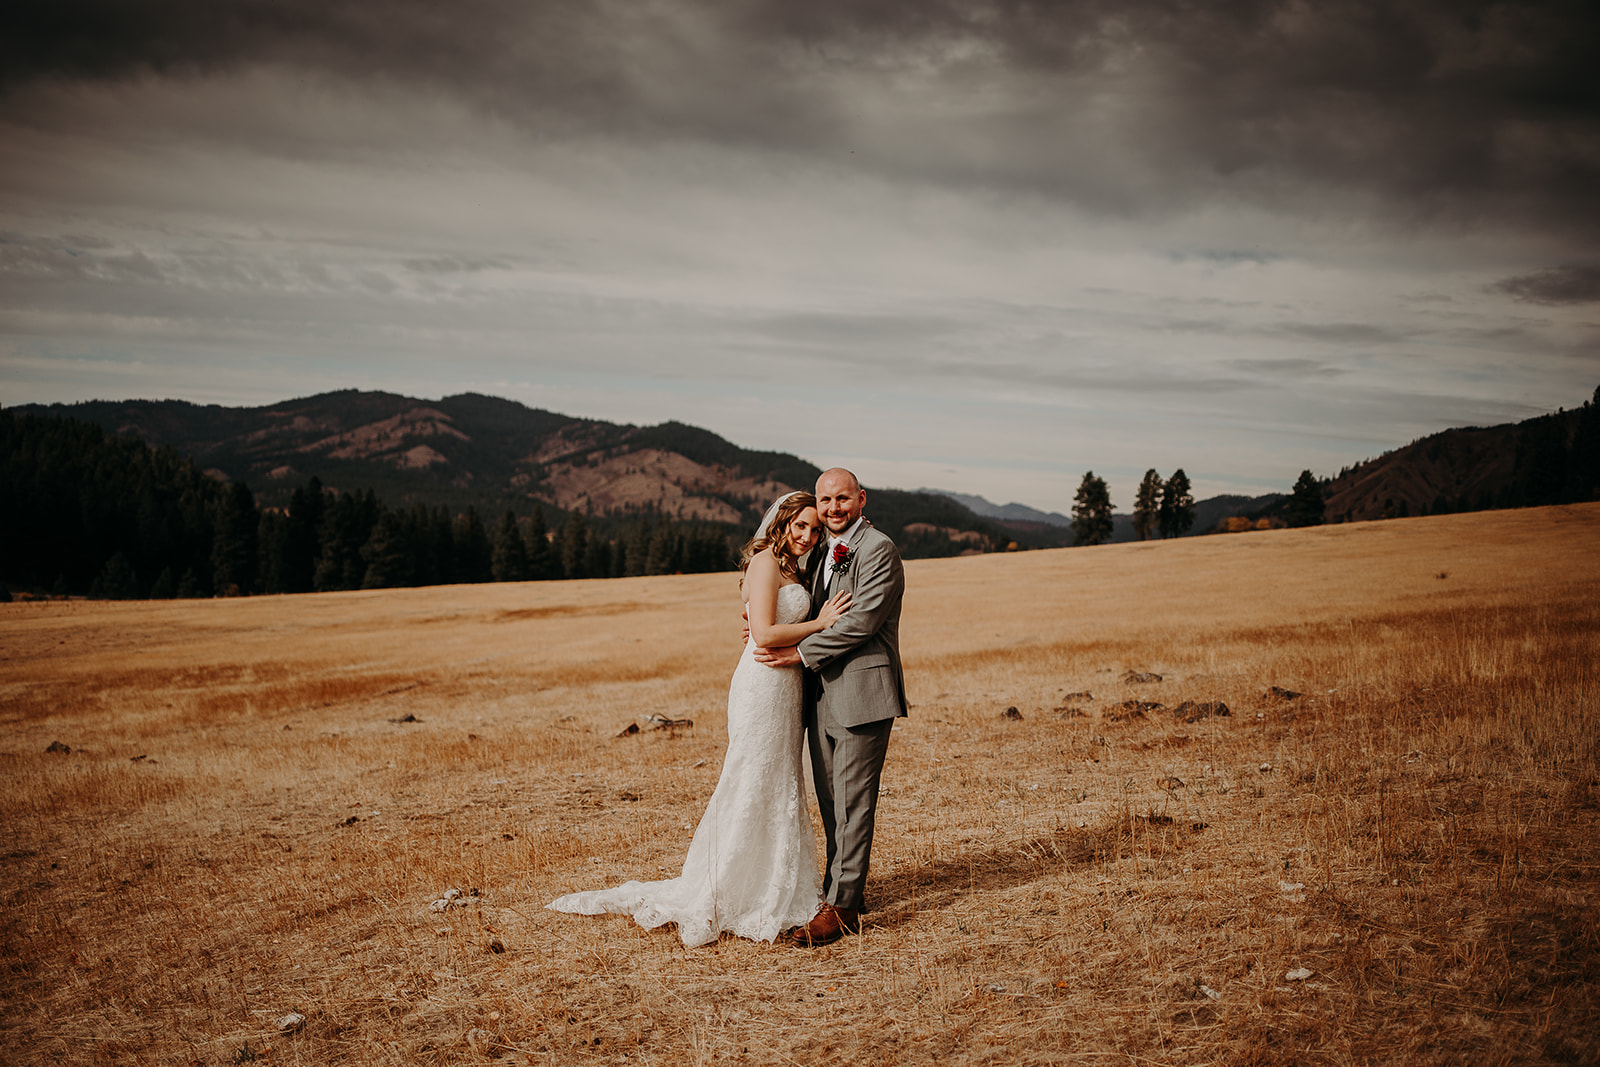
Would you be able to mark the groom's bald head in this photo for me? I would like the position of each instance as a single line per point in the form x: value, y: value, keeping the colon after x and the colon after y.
x: 840, y: 472
x: 840, y: 499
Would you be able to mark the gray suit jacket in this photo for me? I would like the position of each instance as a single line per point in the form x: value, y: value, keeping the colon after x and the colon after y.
x: 856, y: 661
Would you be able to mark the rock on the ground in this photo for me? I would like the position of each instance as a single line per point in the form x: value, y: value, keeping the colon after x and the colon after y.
x: 1195, y: 710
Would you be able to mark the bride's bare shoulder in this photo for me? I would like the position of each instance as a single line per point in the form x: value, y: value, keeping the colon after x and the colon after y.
x: 762, y: 568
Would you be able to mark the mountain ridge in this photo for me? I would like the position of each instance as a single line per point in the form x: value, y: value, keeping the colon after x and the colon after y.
x: 494, y: 454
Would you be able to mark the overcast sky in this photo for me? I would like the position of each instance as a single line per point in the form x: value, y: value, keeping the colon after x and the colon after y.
x: 978, y: 246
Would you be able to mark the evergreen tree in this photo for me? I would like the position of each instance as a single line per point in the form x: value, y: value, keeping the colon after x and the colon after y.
x: 347, y: 523
x: 542, y: 562
x: 474, y: 562
x: 1304, y: 506
x: 117, y: 581
x: 597, y: 557
x: 574, y: 545
x: 1584, y: 465
x: 165, y: 588
x: 1177, y: 506
x: 1147, y: 506
x: 1541, y: 464
x: 191, y: 585
x: 306, y: 509
x: 665, y: 555
x: 387, y: 554
x: 235, y: 549
x: 638, y: 550
x: 272, y: 533
x: 1091, y: 512
x: 432, y: 538
x: 508, y: 560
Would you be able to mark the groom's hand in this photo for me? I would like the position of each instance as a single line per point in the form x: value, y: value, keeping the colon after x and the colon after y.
x: 787, y: 656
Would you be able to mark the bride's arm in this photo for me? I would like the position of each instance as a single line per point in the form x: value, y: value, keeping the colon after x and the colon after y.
x: 761, y: 581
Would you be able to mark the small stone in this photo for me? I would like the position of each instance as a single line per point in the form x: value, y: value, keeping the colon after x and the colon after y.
x: 1265, y: 768
x: 1134, y: 709
x: 451, y: 898
x: 1212, y: 993
x: 292, y: 1023
x: 1140, y: 677
x: 497, y: 946
x: 1195, y: 710
x: 57, y: 746
x: 1011, y: 713
x: 480, y: 1040
x: 408, y: 717
x: 1278, y: 692
x: 1299, y: 974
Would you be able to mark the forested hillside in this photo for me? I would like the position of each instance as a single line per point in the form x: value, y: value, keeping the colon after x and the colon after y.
x: 1549, y: 459
x: 491, y: 455
x: 89, y: 513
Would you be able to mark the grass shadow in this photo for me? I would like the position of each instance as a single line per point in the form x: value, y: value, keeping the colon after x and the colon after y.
x: 908, y: 891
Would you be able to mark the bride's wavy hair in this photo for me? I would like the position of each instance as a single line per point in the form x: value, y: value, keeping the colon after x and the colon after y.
x: 777, y: 537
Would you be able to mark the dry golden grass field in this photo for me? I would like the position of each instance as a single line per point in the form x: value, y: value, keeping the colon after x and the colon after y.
x: 1397, y: 866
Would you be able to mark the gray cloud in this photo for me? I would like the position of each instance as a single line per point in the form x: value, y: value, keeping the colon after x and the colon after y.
x: 1442, y: 110
x: 1288, y: 367
x: 1554, y: 286
x: 455, y: 264
x: 1358, y: 333
x: 1063, y: 234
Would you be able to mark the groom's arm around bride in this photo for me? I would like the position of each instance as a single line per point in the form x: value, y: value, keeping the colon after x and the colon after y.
x: 867, y: 637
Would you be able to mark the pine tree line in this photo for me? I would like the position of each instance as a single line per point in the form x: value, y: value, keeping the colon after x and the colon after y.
x: 1161, y: 507
x: 85, y: 512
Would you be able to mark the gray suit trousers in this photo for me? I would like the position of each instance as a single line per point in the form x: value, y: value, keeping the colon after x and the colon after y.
x: 846, y: 765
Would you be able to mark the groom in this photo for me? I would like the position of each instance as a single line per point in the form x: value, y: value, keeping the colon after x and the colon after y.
x: 855, y: 690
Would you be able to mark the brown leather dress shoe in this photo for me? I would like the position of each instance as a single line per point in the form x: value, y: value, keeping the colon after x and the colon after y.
x: 827, y: 926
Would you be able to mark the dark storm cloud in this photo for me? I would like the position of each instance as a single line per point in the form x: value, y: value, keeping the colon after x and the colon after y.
x: 1449, y: 110
x: 1555, y: 285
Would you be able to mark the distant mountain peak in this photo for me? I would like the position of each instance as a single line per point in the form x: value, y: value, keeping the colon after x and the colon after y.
x: 1013, y: 512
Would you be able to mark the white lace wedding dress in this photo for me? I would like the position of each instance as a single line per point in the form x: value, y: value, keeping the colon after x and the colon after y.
x: 751, y: 868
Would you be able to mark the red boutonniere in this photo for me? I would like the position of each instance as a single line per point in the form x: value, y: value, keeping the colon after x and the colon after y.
x: 841, y: 558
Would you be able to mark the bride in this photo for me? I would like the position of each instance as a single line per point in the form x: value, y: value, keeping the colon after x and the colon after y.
x: 751, y: 868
